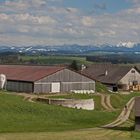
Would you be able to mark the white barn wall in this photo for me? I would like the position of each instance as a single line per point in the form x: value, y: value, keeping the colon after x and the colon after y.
x: 130, y: 77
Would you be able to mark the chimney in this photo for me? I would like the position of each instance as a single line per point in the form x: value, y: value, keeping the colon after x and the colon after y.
x: 83, y: 67
x: 106, y: 73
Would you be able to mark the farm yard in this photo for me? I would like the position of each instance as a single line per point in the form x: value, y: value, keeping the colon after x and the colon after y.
x: 26, y: 115
x: 21, y: 119
x: 69, y: 70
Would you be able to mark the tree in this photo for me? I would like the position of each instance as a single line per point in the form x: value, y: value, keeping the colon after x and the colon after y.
x: 74, y: 65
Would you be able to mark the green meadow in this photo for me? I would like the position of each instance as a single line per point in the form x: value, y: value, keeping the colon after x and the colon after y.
x: 52, y: 60
x: 23, y: 120
x: 17, y: 115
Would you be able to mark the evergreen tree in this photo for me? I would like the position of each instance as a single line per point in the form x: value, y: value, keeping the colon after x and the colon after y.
x: 74, y: 65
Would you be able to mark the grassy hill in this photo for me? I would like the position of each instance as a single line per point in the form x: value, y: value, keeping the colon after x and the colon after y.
x: 40, y: 121
x: 17, y: 115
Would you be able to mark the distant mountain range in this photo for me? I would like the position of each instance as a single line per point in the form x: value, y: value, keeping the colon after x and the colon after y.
x: 73, y: 49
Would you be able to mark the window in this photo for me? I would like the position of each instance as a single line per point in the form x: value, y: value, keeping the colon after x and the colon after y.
x: 135, y: 83
x: 133, y: 71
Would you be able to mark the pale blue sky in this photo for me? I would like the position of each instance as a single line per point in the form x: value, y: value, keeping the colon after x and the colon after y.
x: 87, y: 5
x: 54, y: 22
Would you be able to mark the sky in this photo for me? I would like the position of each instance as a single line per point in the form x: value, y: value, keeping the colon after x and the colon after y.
x: 58, y: 22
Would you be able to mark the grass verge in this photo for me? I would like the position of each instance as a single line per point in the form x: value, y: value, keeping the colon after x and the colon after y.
x: 118, y: 101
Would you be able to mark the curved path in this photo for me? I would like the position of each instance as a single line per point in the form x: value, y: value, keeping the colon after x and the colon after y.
x: 124, y: 115
x: 109, y: 102
x: 29, y: 99
x: 105, y: 102
x: 105, y: 99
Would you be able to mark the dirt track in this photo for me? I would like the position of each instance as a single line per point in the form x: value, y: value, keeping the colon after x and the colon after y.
x: 124, y: 115
x: 105, y: 102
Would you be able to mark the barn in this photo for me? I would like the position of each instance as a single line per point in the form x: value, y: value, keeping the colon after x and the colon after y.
x: 137, y: 113
x: 115, y: 77
x: 44, y: 79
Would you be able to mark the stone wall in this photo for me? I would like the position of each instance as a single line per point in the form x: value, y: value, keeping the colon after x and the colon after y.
x: 87, y: 104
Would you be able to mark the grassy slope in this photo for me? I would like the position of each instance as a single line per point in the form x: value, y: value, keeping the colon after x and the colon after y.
x: 17, y: 115
x: 101, y: 88
x: 119, y: 100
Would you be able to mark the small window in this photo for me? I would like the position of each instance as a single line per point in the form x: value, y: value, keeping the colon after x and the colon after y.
x: 133, y: 71
x: 135, y: 83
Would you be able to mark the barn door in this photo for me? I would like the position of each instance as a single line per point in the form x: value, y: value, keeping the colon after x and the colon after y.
x: 55, y: 87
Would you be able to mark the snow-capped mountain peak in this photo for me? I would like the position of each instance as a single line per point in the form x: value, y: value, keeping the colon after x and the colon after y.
x: 126, y: 44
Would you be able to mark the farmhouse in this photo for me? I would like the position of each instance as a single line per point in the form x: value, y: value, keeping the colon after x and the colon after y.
x: 137, y: 113
x: 116, y: 77
x: 44, y: 79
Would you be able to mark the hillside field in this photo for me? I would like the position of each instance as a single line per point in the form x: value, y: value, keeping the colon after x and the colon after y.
x: 52, y: 60
x: 17, y: 115
x: 22, y: 120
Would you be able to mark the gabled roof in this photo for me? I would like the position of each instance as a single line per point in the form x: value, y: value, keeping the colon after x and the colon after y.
x: 27, y: 73
x: 114, y: 72
x: 137, y: 67
x: 137, y: 106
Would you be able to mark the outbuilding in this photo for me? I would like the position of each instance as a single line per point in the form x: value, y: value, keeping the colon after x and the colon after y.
x: 44, y: 79
x: 115, y: 77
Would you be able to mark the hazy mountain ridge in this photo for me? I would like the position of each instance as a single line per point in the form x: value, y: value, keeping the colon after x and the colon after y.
x: 72, y: 49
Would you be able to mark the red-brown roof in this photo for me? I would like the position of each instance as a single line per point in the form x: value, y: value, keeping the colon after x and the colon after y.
x: 27, y: 73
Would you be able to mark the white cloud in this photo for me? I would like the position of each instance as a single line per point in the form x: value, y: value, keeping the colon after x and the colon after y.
x: 88, y: 21
x: 26, y: 19
x: 39, y: 22
x: 17, y: 4
x: 24, y: 4
x: 135, y: 1
x: 107, y: 33
x: 4, y: 17
x: 23, y: 29
x: 135, y: 10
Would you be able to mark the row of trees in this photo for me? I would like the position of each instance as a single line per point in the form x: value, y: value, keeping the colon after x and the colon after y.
x: 16, y: 59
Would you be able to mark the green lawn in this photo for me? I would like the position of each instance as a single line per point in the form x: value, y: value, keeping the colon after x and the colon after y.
x: 17, y: 115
